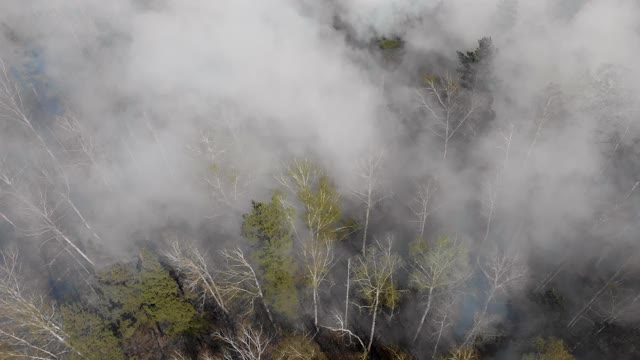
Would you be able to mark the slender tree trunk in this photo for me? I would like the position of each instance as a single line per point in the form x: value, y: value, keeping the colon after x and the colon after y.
x: 213, y: 289
x: 346, y: 303
x: 315, y: 307
x: 423, y: 220
x: 489, y: 219
x: 57, y: 164
x: 478, y: 323
x: 264, y: 303
x: 84, y: 221
x: 604, y: 287
x: 366, y: 226
x: 77, y: 249
x: 435, y: 347
x: 542, y: 121
x: 446, y: 145
x: 424, y: 316
x: 373, y: 322
x: 266, y: 308
x: 446, y: 138
x: 550, y: 277
x: 7, y: 220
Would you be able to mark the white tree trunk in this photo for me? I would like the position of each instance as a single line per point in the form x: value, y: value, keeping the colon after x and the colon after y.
x: 435, y: 347
x: 346, y: 303
x: 424, y: 316
x: 315, y: 307
x: 373, y: 321
x: 366, y: 226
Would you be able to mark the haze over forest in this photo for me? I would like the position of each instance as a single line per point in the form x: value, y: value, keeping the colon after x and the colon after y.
x: 298, y: 179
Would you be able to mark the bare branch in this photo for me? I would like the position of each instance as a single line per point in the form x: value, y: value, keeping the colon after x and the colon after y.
x: 29, y: 326
x: 341, y: 329
x: 374, y: 278
x: 319, y: 260
x: 502, y: 272
x: 246, y: 344
x: 239, y: 282
x: 189, y: 261
x: 370, y: 194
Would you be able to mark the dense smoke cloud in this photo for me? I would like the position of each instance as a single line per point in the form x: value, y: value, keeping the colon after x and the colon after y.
x: 268, y: 69
x: 264, y: 82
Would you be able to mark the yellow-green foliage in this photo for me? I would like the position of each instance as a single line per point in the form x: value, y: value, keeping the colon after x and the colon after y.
x: 447, y: 86
x: 387, y: 44
x: 444, y: 263
x: 347, y: 227
x: 430, y: 78
x: 374, y: 277
x: 318, y: 196
x: 269, y: 226
x: 462, y: 353
x: 297, y: 348
x: 550, y: 349
x: 229, y: 175
x: 322, y: 208
x: 394, y: 353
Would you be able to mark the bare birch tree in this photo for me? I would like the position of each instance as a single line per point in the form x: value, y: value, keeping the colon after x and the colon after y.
x: 40, y: 211
x: 541, y: 122
x: 614, y: 277
x: 502, y: 271
x: 342, y: 329
x: 447, y: 107
x: 191, y: 263
x: 443, y: 320
x: 12, y: 109
x: 619, y: 308
x: 239, y: 282
x: 319, y: 260
x: 81, y: 146
x: 373, y: 277
x: 30, y: 327
x: 226, y: 185
x: 299, y: 175
x: 318, y: 196
x: 246, y: 343
x: 492, y: 187
x: 422, y: 204
x: 440, y: 267
x: 370, y: 193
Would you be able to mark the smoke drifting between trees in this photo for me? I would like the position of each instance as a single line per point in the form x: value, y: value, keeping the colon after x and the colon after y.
x: 400, y: 199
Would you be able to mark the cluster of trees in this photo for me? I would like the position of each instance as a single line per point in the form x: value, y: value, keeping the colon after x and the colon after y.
x: 307, y: 279
x: 252, y: 303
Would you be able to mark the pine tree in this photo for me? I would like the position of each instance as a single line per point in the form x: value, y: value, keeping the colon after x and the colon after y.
x: 144, y: 298
x: 478, y: 82
x: 269, y: 226
x: 90, y: 334
x: 475, y: 66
